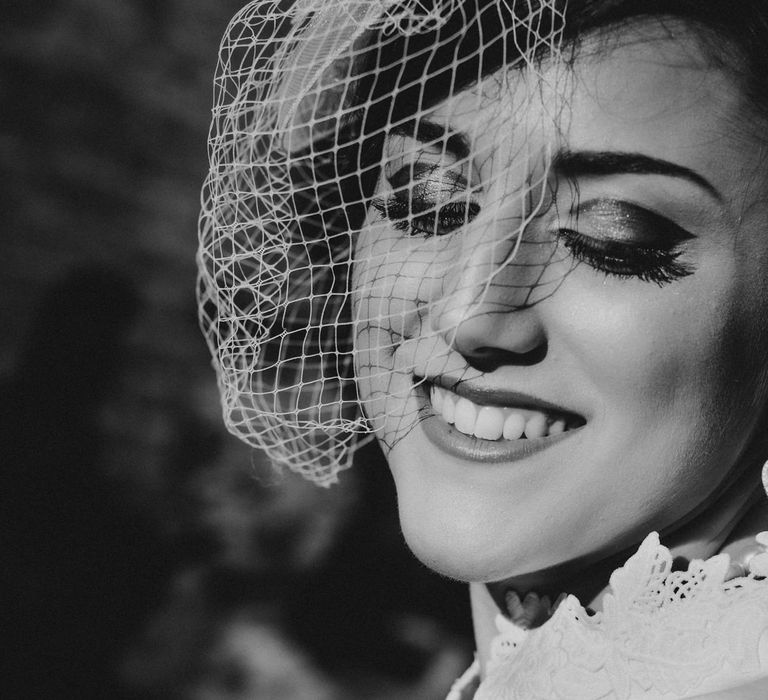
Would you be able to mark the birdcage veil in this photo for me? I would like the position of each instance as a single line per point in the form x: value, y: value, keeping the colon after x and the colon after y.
x: 307, y: 97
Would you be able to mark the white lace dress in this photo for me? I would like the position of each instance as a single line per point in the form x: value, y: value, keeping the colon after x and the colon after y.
x: 661, y: 634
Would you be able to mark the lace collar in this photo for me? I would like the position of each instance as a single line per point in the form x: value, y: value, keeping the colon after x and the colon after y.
x: 661, y: 634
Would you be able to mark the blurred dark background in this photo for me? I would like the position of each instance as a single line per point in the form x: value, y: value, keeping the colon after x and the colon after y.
x: 145, y: 553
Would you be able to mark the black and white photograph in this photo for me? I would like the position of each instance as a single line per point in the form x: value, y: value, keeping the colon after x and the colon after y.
x: 384, y: 350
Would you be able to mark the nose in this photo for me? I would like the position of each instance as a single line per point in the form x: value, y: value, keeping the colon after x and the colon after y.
x: 488, y: 310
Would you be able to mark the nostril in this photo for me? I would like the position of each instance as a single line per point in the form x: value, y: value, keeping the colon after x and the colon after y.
x: 487, y: 359
x: 489, y: 339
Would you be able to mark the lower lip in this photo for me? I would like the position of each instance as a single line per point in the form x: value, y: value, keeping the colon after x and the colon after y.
x: 467, y: 447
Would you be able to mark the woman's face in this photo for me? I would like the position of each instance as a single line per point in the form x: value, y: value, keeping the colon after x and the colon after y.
x: 594, y: 277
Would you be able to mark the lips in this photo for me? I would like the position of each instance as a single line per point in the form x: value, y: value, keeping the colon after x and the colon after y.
x: 489, y: 422
x: 492, y: 425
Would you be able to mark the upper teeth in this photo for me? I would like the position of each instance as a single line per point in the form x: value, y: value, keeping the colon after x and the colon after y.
x: 494, y: 422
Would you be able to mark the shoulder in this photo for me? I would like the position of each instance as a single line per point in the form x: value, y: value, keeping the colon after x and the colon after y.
x: 466, y: 686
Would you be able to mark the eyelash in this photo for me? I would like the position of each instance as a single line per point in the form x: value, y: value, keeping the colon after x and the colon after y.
x: 647, y: 263
x: 429, y: 219
x: 656, y: 264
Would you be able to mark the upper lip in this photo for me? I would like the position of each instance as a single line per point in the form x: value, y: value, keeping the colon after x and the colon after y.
x: 487, y: 396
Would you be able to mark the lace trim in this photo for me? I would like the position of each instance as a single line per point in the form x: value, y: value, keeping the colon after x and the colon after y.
x: 661, y: 634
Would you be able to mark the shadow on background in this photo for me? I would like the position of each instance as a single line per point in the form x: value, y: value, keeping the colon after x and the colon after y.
x: 146, y: 553
x: 83, y: 565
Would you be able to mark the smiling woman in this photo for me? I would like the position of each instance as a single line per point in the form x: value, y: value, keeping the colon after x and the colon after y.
x: 521, y: 244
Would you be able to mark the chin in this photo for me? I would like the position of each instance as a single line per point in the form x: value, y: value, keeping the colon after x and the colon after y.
x: 469, y: 551
x: 460, y: 534
x: 458, y: 560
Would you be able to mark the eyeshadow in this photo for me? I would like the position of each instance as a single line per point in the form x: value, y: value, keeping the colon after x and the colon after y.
x: 614, y: 219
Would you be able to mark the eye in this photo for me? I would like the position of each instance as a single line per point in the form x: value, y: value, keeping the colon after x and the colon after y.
x: 428, y: 200
x: 625, y: 240
x: 435, y: 220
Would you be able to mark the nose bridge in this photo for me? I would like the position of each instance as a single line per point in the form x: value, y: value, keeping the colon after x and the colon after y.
x: 499, y: 264
x: 483, y: 274
x: 487, y: 292
x: 490, y: 287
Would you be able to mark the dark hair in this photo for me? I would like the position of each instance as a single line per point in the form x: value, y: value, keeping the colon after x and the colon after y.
x: 397, y: 74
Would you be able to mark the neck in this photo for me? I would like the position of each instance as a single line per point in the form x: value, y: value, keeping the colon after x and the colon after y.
x: 727, y: 523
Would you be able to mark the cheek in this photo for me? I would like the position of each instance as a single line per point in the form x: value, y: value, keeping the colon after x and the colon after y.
x: 673, y: 369
x: 389, y: 278
x: 391, y: 283
x: 640, y: 354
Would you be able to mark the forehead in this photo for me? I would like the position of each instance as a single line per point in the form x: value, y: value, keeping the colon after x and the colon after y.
x: 645, y: 89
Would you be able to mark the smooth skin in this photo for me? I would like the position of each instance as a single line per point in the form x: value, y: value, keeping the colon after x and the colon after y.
x: 668, y: 375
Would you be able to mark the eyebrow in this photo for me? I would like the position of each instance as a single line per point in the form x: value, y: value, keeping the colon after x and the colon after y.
x: 566, y: 163
x: 428, y: 131
x: 575, y: 164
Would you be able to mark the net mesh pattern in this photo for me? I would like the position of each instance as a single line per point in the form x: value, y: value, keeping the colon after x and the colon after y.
x: 349, y: 227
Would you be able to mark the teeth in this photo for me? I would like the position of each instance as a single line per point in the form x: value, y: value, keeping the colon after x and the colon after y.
x: 437, y: 399
x: 490, y: 423
x: 466, y: 416
x: 493, y: 422
x: 449, y: 409
x: 514, y: 426
x: 557, y: 427
x: 536, y: 426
